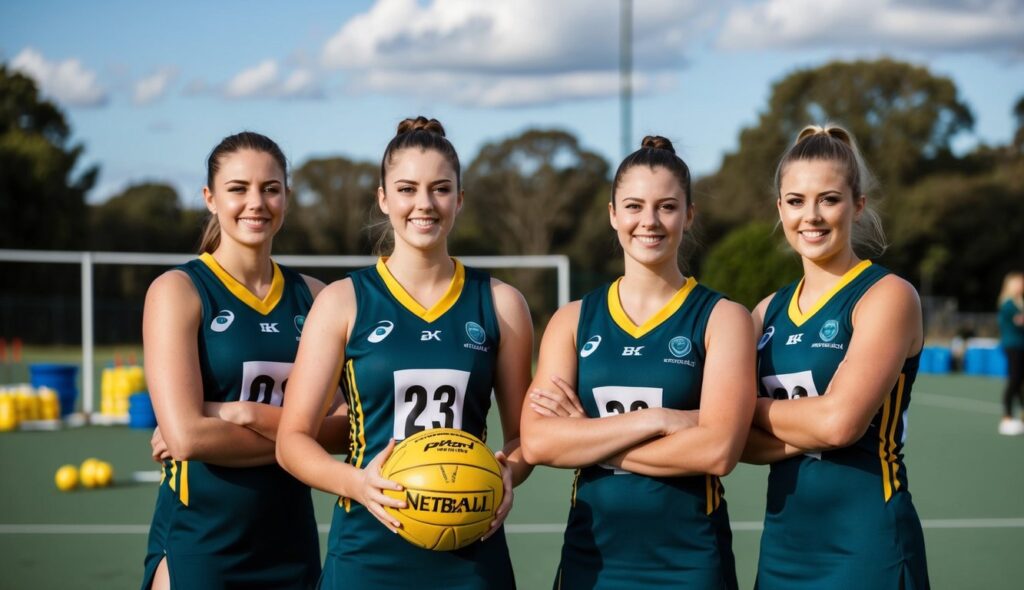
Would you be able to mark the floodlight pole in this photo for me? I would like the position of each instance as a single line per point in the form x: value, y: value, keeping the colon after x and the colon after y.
x: 626, y: 75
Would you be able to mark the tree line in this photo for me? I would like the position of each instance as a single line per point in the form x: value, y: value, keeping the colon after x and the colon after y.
x: 955, y: 222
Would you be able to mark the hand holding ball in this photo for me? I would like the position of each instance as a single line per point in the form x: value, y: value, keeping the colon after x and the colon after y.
x: 452, y: 487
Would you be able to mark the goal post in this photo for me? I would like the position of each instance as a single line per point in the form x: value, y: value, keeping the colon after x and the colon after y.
x: 87, y: 260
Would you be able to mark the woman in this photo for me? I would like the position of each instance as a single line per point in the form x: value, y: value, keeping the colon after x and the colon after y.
x: 1011, y: 338
x: 838, y: 354
x: 220, y: 334
x: 644, y: 352
x: 393, y: 332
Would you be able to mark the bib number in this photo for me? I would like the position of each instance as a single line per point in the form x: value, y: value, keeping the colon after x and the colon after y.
x: 791, y: 386
x: 612, y: 400
x: 428, y: 398
x: 264, y: 382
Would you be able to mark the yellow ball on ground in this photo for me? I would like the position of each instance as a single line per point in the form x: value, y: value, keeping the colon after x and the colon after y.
x: 452, y: 487
x: 104, y: 474
x: 66, y: 478
x: 87, y: 472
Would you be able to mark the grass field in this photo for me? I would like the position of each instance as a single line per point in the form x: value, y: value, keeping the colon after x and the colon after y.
x: 968, y: 485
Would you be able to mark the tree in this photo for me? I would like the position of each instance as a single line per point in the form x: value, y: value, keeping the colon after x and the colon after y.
x: 1018, y: 114
x: 41, y: 204
x: 537, y: 193
x: 750, y: 262
x: 145, y: 217
x: 333, y: 208
x: 902, y: 116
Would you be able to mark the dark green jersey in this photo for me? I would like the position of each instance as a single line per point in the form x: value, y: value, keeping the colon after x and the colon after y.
x: 841, y: 518
x: 633, y: 531
x: 409, y: 369
x: 247, y: 527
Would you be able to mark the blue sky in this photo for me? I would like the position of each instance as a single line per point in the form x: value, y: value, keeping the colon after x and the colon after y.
x: 150, y: 88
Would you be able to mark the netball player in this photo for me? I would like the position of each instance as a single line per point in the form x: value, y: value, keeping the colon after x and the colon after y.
x: 838, y: 354
x: 420, y: 342
x: 644, y: 352
x: 223, y: 330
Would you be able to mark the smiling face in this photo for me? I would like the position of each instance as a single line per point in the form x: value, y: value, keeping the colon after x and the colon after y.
x: 650, y: 214
x: 248, y: 197
x: 421, y: 198
x: 817, y: 209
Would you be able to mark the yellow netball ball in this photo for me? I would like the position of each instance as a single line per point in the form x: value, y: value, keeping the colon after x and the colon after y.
x: 452, y: 487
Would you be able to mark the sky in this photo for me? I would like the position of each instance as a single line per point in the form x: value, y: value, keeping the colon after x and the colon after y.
x: 150, y: 88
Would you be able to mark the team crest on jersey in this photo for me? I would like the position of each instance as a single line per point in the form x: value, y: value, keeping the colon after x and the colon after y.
x: 680, y: 346
x: 590, y: 346
x: 475, y: 332
x: 829, y: 330
x: 477, y: 337
x: 222, y: 321
x: 381, y: 331
x: 766, y: 337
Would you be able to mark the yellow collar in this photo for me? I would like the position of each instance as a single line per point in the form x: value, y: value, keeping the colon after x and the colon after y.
x: 627, y: 325
x: 263, y: 306
x: 798, y: 317
x: 440, y: 307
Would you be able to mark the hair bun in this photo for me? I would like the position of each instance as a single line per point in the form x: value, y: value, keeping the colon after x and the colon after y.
x: 828, y: 130
x: 420, y: 124
x: 657, y: 142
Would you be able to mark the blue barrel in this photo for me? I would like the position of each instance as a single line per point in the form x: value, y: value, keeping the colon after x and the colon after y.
x: 941, y: 361
x: 60, y: 378
x: 974, y: 361
x: 996, y: 363
x: 140, y: 411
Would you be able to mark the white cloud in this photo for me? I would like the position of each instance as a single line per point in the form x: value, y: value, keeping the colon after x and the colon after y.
x: 68, y: 82
x: 264, y: 81
x: 153, y: 87
x: 905, y: 24
x: 256, y: 81
x: 509, y: 52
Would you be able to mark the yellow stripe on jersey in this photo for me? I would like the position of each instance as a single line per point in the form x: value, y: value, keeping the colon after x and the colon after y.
x: 440, y: 307
x: 623, y: 321
x: 357, y: 427
x: 892, y: 430
x: 882, y: 453
x: 183, y: 484
x: 173, y: 481
x: 163, y: 473
x: 575, y: 484
x: 798, y: 317
x: 262, y: 306
x: 887, y: 439
x: 709, y: 500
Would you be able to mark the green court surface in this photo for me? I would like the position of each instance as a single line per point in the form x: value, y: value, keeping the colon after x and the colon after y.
x: 967, y: 482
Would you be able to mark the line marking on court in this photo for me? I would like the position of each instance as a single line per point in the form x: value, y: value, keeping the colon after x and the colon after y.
x: 956, y: 403
x: 514, y: 529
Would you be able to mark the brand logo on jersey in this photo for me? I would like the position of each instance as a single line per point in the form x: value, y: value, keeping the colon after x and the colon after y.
x: 632, y: 350
x: 380, y: 332
x: 428, y: 335
x: 680, y: 346
x: 829, y: 330
x: 766, y: 337
x: 590, y: 346
x: 300, y: 321
x: 269, y: 328
x: 794, y: 339
x: 222, y: 321
x: 475, y: 333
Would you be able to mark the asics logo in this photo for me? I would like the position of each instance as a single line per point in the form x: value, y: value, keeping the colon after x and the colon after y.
x: 381, y: 332
x: 222, y: 321
x: 590, y: 346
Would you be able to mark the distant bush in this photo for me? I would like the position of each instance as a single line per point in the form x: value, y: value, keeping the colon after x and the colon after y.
x: 749, y: 263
